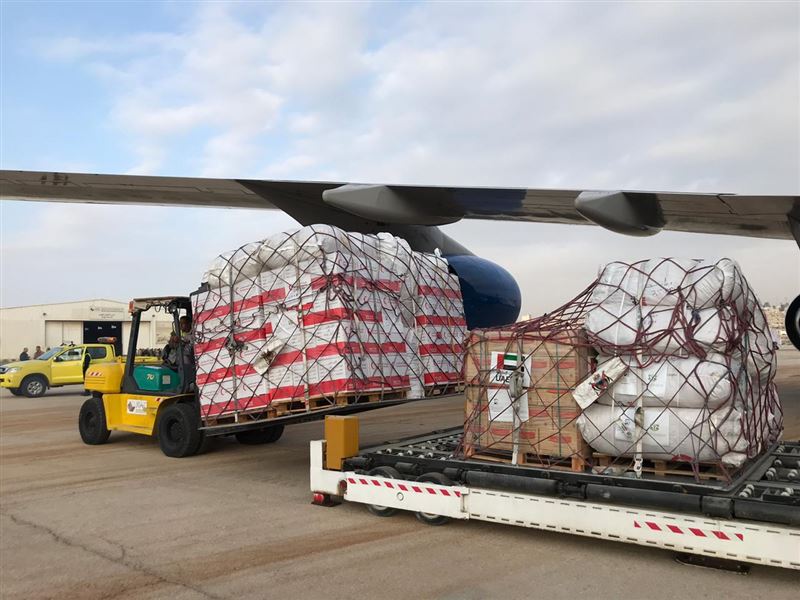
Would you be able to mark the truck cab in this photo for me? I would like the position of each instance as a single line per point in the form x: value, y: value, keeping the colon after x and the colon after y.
x: 62, y: 365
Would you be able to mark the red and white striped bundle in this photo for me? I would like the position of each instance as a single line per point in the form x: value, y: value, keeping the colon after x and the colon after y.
x: 317, y: 317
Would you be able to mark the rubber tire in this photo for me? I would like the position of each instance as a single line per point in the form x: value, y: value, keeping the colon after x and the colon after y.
x: 430, y: 519
x: 30, y: 379
x: 178, y: 430
x: 375, y: 509
x: 15, y: 391
x: 793, y: 322
x: 255, y: 437
x: 92, y: 422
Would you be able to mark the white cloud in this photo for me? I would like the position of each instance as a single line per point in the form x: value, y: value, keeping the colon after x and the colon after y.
x: 285, y: 168
x: 77, y: 251
x: 227, y: 75
x: 508, y: 94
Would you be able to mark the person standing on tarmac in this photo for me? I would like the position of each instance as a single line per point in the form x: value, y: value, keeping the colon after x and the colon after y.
x: 38, y: 352
x: 24, y: 354
x: 87, y: 360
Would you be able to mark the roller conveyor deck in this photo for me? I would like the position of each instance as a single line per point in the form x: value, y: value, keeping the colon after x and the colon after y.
x: 767, y: 490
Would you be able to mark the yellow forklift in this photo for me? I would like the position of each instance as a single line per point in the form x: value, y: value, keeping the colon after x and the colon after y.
x: 156, y: 398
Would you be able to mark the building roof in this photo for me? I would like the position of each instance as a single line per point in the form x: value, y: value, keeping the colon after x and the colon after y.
x: 68, y: 302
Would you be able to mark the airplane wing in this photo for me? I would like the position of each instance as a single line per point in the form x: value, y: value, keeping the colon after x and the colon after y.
x: 628, y: 212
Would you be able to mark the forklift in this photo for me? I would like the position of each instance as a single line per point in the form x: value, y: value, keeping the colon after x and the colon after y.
x: 156, y: 398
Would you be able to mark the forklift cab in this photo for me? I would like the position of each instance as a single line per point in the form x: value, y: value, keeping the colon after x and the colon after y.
x: 175, y: 374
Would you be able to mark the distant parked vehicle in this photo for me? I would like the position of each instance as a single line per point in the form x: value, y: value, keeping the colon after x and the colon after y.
x: 62, y: 365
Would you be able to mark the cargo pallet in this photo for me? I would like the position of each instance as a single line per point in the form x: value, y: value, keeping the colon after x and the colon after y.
x: 576, y: 462
x: 755, y: 519
x: 338, y: 399
x: 663, y: 468
x: 584, y: 459
x: 293, y: 412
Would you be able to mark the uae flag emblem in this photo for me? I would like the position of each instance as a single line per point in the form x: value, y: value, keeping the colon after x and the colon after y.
x: 507, y: 361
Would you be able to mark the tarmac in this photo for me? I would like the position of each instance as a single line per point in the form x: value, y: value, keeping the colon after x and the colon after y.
x: 124, y: 521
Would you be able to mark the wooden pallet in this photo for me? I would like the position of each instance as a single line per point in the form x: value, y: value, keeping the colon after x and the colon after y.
x: 577, y: 463
x: 259, y: 414
x: 294, y: 406
x: 349, y: 398
x: 664, y: 468
x: 443, y: 390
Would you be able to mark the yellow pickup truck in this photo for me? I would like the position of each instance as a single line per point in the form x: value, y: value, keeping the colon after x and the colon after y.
x: 63, y: 365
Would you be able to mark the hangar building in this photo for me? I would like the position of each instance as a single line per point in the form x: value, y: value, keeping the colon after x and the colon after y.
x: 49, y: 325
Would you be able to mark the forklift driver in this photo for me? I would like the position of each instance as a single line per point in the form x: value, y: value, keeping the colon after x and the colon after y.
x: 177, y: 351
x: 185, y: 325
x: 170, y: 353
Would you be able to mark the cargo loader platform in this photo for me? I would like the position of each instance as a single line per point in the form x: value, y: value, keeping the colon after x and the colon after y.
x: 754, y: 519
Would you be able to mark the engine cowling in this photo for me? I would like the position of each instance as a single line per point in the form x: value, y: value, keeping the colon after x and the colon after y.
x: 491, y: 294
x: 793, y: 322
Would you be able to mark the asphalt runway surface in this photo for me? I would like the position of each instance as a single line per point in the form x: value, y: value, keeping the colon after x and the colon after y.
x: 124, y: 521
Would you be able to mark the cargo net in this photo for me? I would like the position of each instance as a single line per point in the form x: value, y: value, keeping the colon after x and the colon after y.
x: 318, y: 318
x: 663, y: 366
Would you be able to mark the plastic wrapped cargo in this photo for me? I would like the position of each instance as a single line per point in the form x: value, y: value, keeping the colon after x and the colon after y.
x: 318, y: 318
x: 661, y: 433
x: 620, y: 322
x: 702, y: 344
x: 683, y: 374
x: 616, y: 320
x: 671, y: 281
x: 681, y: 329
x: 678, y: 382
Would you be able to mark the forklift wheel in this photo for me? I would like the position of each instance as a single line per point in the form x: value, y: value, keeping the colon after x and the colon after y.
x: 389, y: 473
x: 92, y: 422
x: 254, y: 437
x: 16, y: 391
x: 178, y: 430
x: 430, y: 518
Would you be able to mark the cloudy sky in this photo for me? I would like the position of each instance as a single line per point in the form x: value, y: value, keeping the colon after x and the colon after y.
x: 668, y: 96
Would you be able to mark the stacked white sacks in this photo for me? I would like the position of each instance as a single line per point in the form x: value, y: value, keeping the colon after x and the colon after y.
x: 699, y: 358
x: 439, y: 328
x: 316, y: 314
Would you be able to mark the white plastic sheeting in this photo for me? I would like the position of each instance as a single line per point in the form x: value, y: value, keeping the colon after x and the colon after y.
x: 320, y: 313
x: 698, y: 435
x: 700, y: 358
x: 671, y: 281
x: 677, y: 382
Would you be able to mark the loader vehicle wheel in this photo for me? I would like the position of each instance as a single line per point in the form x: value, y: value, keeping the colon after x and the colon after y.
x: 376, y: 509
x: 253, y: 437
x: 16, y: 391
x: 178, y: 430
x: 34, y: 386
x: 92, y: 422
x: 430, y: 518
